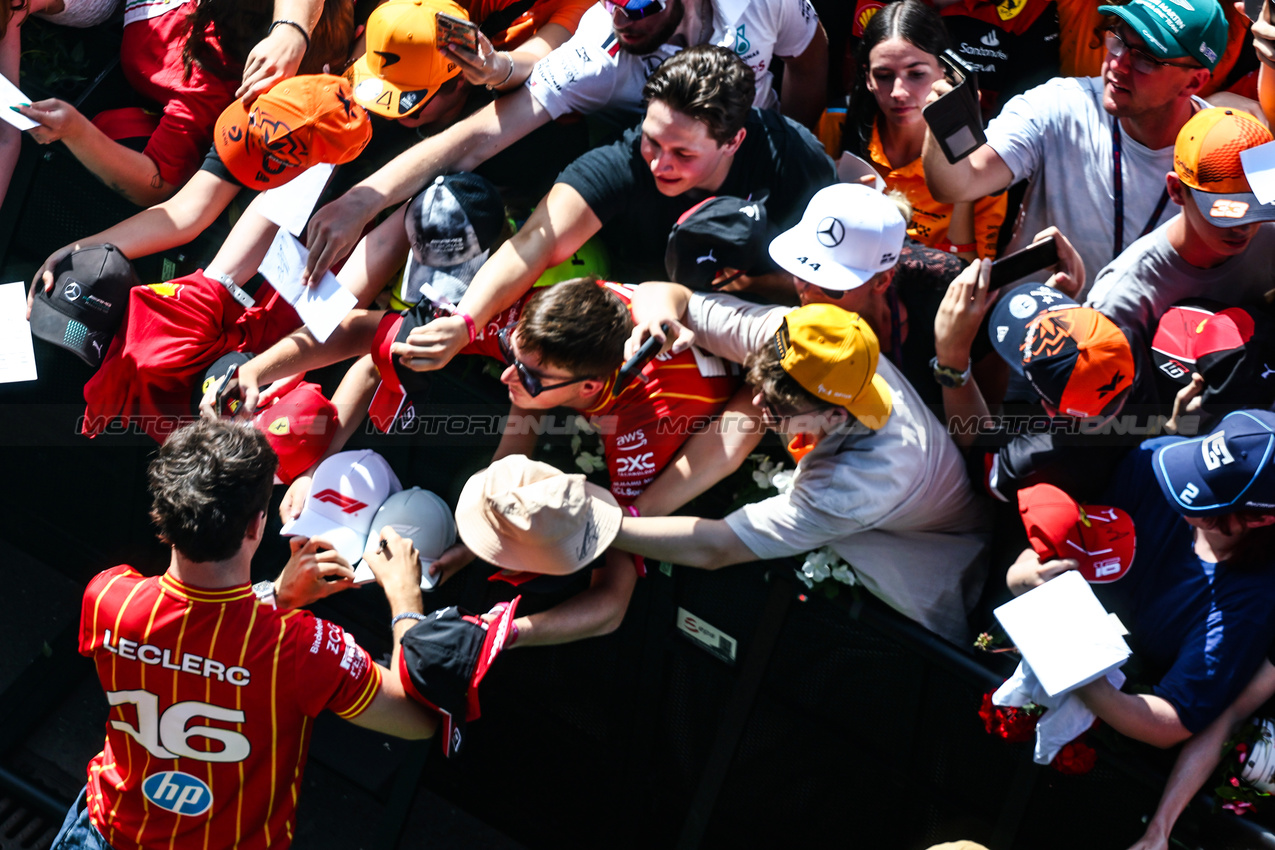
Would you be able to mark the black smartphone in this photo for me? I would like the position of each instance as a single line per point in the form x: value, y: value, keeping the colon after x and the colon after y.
x: 1016, y: 266
x: 457, y: 31
x: 1253, y: 9
x: 635, y: 364
x: 955, y: 118
x: 228, y: 396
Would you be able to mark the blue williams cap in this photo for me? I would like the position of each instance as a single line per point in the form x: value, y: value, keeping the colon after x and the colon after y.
x: 1226, y: 470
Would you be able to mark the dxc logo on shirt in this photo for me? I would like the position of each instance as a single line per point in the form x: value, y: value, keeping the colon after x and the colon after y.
x: 636, y: 465
x: 178, y: 792
x: 1215, y: 452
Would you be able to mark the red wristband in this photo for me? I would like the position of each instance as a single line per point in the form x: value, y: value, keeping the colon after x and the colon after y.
x: 469, y: 324
x: 963, y: 249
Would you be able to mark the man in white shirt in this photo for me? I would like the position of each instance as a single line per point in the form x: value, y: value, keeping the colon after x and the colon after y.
x: 878, y: 478
x: 1067, y: 136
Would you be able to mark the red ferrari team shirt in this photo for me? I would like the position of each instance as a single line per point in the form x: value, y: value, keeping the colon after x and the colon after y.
x: 645, y: 425
x: 213, y: 696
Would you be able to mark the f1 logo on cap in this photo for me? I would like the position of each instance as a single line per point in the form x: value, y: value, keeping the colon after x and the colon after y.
x: 348, y: 504
x: 830, y: 232
x: 1215, y: 452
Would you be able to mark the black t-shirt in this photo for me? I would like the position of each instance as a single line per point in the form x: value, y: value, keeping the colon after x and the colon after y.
x: 779, y: 160
x: 213, y: 165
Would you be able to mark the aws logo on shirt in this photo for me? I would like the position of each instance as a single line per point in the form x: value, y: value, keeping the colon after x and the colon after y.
x: 177, y: 792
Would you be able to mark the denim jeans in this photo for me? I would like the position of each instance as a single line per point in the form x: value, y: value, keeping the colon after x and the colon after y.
x: 78, y: 832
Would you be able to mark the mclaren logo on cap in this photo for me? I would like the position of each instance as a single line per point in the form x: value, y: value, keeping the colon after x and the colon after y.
x: 830, y: 232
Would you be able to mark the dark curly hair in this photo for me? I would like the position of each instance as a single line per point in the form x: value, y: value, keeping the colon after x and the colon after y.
x: 209, y: 480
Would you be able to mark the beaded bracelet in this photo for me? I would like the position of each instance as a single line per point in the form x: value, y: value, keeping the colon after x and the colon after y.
x: 300, y: 29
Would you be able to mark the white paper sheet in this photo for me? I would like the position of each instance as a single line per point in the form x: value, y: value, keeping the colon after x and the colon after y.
x: 11, y: 96
x: 1064, y: 633
x: 17, y: 355
x: 321, y: 306
x: 1259, y: 168
x: 290, y: 205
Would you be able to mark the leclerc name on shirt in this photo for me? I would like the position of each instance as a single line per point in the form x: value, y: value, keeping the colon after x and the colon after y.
x: 190, y: 663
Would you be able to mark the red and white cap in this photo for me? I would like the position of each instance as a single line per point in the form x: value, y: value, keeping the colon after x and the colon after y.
x: 1100, y: 538
x: 347, y: 489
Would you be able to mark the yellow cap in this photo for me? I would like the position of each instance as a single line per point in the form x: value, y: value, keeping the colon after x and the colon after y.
x: 833, y: 354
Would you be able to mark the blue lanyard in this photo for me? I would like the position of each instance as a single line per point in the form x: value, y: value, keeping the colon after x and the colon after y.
x: 1117, y: 181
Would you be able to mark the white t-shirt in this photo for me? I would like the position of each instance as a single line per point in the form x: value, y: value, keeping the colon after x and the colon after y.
x: 895, y: 503
x: 1137, y: 287
x: 1059, y: 136
x: 590, y: 72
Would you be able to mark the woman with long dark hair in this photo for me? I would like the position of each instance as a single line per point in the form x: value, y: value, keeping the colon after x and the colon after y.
x: 898, y: 61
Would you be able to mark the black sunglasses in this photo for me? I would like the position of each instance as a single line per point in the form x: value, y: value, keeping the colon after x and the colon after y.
x: 529, y: 380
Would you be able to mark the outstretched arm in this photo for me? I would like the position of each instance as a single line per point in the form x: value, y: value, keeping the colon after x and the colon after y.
x: 980, y: 174
x: 556, y: 230
x: 166, y: 225
x: 1200, y: 756
x: 131, y: 173
x: 465, y: 145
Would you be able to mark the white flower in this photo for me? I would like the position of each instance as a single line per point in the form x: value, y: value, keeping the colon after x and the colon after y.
x: 804, y: 579
x: 761, y: 479
x: 576, y: 442
x: 844, y: 574
x: 589, y: 462
x: 583, y: 426
x: 782, y: 479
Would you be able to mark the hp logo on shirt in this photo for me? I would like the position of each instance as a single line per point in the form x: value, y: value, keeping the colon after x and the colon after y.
x: 178, y: 792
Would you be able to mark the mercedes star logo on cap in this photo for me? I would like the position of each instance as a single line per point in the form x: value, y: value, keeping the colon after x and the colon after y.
x: 71, y: 291
x: 831, y: 231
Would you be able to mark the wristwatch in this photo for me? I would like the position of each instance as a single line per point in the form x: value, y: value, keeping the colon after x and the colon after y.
x: 949, y: 377
x: 265, y: 592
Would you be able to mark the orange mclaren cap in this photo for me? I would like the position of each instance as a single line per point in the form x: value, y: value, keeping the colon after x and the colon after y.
x: 1078, y: 360
x: 300, y: 122
x: 1206, y: 157
x: 833, y: 354
x: 403, y: 68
